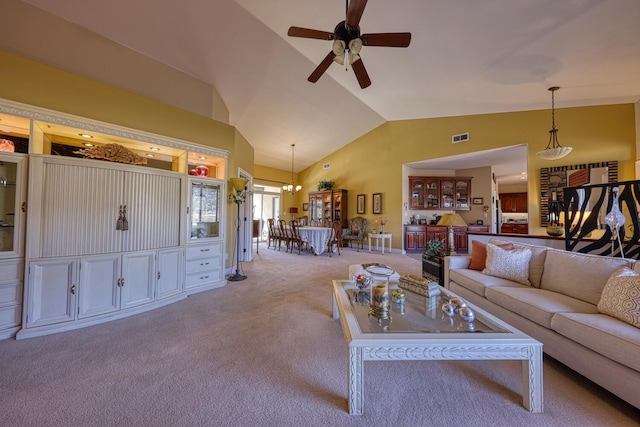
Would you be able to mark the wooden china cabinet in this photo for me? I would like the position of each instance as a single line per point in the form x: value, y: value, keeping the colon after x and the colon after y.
x: 440, y: 193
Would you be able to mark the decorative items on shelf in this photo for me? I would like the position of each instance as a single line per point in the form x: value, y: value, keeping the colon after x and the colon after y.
x: 383, y: 221
x: 113, y: 153
x: 326, y: 185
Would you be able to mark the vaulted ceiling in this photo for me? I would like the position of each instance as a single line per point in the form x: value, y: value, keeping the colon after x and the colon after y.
x: 466, y: 57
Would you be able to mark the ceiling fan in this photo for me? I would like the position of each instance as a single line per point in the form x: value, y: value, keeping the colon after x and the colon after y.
x: 347, y: 42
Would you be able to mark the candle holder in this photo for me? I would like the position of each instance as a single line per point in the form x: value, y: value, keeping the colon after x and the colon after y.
x: 380, y: 304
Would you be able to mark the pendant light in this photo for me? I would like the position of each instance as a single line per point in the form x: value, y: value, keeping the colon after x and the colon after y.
x: 554, y: 150
x: 290, y: 187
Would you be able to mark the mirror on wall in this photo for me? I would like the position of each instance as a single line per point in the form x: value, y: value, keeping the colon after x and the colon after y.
x: 553, y: 181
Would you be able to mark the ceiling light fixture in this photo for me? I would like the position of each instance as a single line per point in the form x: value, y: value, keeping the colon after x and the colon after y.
x: 554, y: 150
x: 85, y: 135
x: 290, y: 187
x: 154, y: 149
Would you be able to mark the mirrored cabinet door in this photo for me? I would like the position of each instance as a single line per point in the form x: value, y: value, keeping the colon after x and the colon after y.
x: 205, y: 219
x: 12, y: 204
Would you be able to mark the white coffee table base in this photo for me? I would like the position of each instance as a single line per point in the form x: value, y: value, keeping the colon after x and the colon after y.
x: 378, y: 238
x: 362, y: 349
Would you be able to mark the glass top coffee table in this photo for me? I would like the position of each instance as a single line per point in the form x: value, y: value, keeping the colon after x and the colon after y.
x: 420, y: 330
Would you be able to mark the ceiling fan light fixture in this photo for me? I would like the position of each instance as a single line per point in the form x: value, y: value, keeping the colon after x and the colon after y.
x: 355, y: 45
x: 554, y: 150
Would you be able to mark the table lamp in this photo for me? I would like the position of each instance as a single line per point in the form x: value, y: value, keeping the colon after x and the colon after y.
x: 452, y: 220
x: 293, y: 212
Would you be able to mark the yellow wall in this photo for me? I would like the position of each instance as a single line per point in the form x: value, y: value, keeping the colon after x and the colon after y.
x: 32, y: 83
x: 373, y: 162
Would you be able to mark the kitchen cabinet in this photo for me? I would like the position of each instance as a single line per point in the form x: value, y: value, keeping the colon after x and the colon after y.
x: 328, y: 206
x: 437, y: 193
x: 415, y: 238
x: 514, y: 228
x: 513, y: 202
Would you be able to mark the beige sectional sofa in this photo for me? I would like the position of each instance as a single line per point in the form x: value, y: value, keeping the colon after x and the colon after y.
x: 557, y: 304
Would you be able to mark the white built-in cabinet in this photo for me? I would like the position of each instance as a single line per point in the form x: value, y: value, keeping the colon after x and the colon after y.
x: 13, y: 175
x: 66, y: 290
x: 85, y: 265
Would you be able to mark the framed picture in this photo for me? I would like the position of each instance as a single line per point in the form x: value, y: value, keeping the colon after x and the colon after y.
x: 478, y: 200
x: 361, y: 203
x: 377, y: 203
x: 305, y: 207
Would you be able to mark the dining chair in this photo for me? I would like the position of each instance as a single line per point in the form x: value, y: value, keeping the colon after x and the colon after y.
x: 336, y: 237
x: 274, y: 234
x: 285, y: 233
x: 295, y: 236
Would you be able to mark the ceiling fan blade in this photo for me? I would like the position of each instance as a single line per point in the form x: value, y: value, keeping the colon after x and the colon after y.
x: 322, y: 67
x: 310, y: 34
x: 386, y: 39
x: 361, y: 73
x: 354, y: 13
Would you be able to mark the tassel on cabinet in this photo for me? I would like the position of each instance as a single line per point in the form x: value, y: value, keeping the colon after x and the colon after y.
x: 125, y: 221
x: 120, y: 221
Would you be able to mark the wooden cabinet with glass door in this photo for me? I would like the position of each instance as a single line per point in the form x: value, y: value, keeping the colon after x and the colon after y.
x: 437, y: 193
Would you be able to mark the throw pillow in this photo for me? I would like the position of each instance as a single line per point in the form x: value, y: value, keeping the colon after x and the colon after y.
x: 621, y: 296
x: 479, y: 254
x: 511, y: 265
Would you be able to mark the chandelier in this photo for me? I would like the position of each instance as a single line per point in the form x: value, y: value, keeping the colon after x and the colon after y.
x: 293, y: 189
x: 554, y: 150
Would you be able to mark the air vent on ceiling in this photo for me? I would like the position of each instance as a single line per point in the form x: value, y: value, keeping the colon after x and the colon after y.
x: 326, y: 166
x: 461, y: 137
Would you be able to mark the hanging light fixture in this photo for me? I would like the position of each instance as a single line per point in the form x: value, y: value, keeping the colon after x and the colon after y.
x: 290, y: 187
x: 554, y: 150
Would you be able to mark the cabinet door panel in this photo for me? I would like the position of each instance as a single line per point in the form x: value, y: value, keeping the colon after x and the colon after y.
x: 52, y: 291
x: 80, y: 210
x: 153, y: 211
x: 99, y: 291
x: 139, y: 278
x: 170, y: 282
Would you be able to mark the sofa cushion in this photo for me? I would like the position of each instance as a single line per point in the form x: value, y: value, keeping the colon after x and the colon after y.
x: 479, y: 254
x: 511, y: 265
x: 603, y: 334
x: 621, y: 296
x: 578, y: 275
x: 537, y: 305
x: 536, y: 265
x: 476, y: 282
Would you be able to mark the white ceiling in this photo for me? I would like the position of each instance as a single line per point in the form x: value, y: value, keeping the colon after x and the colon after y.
x: 466, y: 57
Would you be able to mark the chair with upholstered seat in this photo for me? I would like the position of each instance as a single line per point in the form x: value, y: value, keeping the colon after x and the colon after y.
x: 274, y: 233
x: 295, y: 238
x: 285, y: 233
x: 355, y: 232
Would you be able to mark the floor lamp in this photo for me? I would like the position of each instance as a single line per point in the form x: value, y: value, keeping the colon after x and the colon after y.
x: 238, y: 197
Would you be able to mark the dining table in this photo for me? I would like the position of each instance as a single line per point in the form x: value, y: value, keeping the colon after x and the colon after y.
x: 316, y: 237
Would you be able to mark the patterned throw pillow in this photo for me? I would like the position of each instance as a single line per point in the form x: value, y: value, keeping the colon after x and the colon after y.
x: 621, y: 296
x: 511, y: 265
x: 479, y: 254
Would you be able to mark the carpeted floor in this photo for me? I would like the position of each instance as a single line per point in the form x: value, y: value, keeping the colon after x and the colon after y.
x: 266, y: 352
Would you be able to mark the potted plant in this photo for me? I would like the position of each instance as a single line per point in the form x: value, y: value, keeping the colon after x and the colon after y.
x: 433, y: 249
x: 325, y: 185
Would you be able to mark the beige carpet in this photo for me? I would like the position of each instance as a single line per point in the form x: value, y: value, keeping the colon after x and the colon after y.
x: 266, y: 352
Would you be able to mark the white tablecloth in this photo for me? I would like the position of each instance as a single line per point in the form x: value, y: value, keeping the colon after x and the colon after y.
x: 317, y: 237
